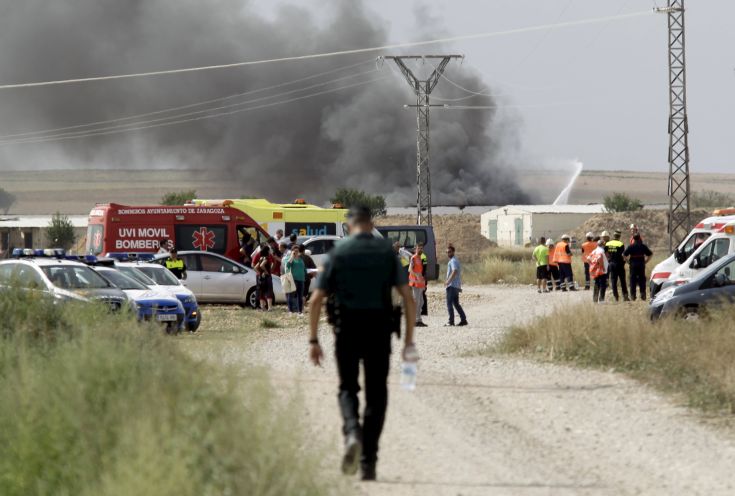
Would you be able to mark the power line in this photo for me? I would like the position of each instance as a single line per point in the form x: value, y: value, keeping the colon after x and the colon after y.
x: 183, y: 107
x: 197, y: 112
x: 394, y: 46
x: 219, y: 114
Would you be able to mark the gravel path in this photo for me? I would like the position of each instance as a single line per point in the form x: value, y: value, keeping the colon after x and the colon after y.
x: 497, y: 425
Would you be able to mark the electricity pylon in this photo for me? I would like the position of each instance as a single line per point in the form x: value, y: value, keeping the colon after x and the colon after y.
x: 423, y: 88
x: 679, y: 202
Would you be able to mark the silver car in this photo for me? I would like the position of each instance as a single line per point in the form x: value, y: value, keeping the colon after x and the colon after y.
x: 217, y: 279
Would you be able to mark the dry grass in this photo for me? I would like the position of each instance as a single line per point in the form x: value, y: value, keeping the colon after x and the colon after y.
x: 692, y: 358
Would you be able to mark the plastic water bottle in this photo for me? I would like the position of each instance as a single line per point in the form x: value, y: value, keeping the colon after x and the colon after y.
x: 408, y: 375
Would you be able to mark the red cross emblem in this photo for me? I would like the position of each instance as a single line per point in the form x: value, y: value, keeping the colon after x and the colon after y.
x: 97, y: 240
x: 203, y: 239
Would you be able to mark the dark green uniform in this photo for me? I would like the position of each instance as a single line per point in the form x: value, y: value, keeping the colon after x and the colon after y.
x: 358, y: 278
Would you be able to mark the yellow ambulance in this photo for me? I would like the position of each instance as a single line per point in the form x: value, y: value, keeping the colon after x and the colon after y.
x: 298, y: 217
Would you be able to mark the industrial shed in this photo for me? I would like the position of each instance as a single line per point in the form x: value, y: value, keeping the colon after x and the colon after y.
x: 519, y: 225
x: 29, y: 231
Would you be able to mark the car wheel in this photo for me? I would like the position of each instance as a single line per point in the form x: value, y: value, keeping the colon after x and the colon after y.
x: 172, y: 328
x: 691, y: 313
x: 252, y: 299
x: 193, y: 327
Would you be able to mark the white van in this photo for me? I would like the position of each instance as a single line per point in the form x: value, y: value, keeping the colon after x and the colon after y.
x: 719, y: 245
x: 694, y: 240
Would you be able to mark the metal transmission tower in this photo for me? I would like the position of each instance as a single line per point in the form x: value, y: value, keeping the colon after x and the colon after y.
x: 423, y: 88
x: 679, y: 217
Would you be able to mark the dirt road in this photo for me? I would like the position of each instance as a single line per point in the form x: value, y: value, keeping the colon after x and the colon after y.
x: 481, y: 425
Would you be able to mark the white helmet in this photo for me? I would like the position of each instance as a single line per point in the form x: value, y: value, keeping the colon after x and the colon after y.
x: 565, y: 236
x: 590, y: 235
x: 549, y: 242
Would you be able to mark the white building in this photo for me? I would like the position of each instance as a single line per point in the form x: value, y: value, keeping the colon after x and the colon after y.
x: 29, y: 231
x: 519, y: 225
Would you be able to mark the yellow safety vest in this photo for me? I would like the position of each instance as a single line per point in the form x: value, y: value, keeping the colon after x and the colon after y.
x: 175, y: 264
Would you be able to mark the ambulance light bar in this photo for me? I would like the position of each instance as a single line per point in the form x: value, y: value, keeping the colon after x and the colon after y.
x: 29, y: 252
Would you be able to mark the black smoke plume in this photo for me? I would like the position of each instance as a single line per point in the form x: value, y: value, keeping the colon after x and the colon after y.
x: 359, y: 137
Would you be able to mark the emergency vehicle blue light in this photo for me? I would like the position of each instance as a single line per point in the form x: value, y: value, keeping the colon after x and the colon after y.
x: 90, y: 259
x: 120, y: 257
x: 127, y: 257
x: 17, y: 252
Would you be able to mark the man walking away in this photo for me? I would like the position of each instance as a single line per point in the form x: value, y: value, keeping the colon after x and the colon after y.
x: 541, y: 256
x: 553, y: 267
x: 598, y: 271
x: 587, y: 248
x: 637, y: 255
x: 358, y: 278
x: 453, y: 286
x: 417, y: 281
x: 615, y: 249
x: 563, y: 258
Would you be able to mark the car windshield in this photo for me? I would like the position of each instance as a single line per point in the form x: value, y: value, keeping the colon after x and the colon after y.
x: 121, y: 280
x: 74, y: 277
x: 160, y: 275
x: 134, y: 273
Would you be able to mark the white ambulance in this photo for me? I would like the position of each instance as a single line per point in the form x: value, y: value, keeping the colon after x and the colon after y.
x: 694, y: 240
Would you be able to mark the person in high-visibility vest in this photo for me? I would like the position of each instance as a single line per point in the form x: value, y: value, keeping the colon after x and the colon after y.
x: 417, y: 281
x: 615, y: 249
x: 176, y: 265
x: 598, y: 271
x: 587, y: 248
x: 563, y: 258
x: 424, y: 310
x: 554, y: 279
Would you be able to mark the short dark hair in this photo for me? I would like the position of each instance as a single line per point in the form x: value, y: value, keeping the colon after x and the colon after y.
x: 293, y: 237
x: 542, y: 240
x: 173, y: 250
x: 450, y: 247
x: 360, y: 213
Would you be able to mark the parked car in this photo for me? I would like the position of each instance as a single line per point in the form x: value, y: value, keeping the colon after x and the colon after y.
x: 166, y: 281
x: 214, y: 278
x: 717, y: 246
x: 712, y: 288
x: 318, y: 246
x: 408, y: 237
x: 698, y: 235
x: 150, y: 304
x: 47, y: 271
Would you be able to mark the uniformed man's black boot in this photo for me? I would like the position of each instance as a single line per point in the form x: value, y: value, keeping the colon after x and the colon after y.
x: 368, y: 471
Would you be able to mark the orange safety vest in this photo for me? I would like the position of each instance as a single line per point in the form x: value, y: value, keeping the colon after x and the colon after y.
x: 416, y: 267
x: 587, y: 248
x: 552, y: 262
x: 560, y: 253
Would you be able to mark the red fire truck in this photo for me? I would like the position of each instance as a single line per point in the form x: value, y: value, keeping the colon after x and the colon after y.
x: 121, y: 228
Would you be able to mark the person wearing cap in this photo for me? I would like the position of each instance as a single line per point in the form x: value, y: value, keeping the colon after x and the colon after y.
x: 587, y: 248
x: 358, y: 279
x: 176, y: 265
x: 616, y: 271
x: 563, y: 258
x: 541, y: 257
x: 554, y: 277
x: 637, y: 254
x: 599, y: 266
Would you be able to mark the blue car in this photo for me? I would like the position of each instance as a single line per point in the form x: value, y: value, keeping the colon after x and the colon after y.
x: 158, y: 306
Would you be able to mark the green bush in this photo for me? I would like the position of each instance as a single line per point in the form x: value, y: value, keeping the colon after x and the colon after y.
x: 178, y: 197
x: 620, y: 202
x: 712, y: 200
x: 93, y: 403
x: 60, y: 232
x: 352, y: 197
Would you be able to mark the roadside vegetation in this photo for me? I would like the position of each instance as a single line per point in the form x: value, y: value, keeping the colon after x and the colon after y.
x: 712, y: 199
x: 621, y: 202
x: 178, y: 197
x: 693, y: 358
x: 93, y: 403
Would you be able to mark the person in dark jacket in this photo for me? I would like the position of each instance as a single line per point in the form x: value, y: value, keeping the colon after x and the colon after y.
x: 637, y: 255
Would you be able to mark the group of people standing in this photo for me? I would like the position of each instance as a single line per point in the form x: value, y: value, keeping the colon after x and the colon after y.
x: 604, y: 264
x: 415, y: 264
x: 278, y: 256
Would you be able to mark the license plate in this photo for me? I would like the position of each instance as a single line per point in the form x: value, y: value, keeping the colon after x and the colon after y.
x: 166, y: 317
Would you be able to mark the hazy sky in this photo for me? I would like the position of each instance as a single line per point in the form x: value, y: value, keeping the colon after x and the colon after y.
x: 612, y: 78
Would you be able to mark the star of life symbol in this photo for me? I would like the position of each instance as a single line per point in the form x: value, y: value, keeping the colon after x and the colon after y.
x: 97, y: 241
x: 203, y: 239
